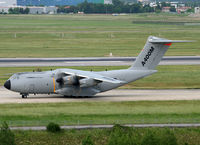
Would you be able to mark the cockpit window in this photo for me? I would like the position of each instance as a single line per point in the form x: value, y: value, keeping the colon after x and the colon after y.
x: 14, y: 76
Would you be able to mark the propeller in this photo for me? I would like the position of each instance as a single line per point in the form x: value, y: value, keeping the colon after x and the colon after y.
x: 59, y: 79
x: 63, y: 80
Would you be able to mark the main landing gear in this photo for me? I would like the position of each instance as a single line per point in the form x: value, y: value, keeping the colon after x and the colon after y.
x: 24, y: 95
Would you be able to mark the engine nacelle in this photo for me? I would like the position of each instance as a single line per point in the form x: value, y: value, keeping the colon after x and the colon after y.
x: 65, y: 91
x: 87, y: 82
x: 68, y: 80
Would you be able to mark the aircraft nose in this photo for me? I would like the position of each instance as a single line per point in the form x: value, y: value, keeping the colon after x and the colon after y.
x: 7, y: 84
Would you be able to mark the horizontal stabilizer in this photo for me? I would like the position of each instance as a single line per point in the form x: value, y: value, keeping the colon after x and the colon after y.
x: 162, y: 40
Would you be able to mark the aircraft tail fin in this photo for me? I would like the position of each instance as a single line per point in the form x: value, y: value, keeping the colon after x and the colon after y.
x: 152, y: 53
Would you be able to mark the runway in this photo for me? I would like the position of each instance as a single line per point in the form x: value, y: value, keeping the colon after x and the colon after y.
x: 93, y: 61
x: 7, y: 96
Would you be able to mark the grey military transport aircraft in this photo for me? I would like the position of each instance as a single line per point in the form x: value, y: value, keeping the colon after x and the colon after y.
x: 78, y: 83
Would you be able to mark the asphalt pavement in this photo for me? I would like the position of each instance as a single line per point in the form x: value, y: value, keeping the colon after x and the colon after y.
x: 7, y: 96
x: 93, y: 61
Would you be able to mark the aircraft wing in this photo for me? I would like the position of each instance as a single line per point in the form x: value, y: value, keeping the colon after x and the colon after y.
x: 95, y: 76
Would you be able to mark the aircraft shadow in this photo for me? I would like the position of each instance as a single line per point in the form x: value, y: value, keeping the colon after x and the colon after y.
x: 61, y: 97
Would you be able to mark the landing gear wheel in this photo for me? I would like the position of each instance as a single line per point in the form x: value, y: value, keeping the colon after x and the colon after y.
x: 24, y: 96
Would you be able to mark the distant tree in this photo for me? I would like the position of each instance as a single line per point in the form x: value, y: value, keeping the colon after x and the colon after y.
x: 83, y: 7
x: 164, y: 4
x: 190, y: 10
x: 10, y: 11
x: 158, y: 8
x: 117, y: 3
x: 147, y: 9
x: 137, y: 8
x: 16, y: 10
x: 60, y: 9
x: 109, y: 8
x: 21, y: 11
x: 26, y: 11
x: 172, y: 9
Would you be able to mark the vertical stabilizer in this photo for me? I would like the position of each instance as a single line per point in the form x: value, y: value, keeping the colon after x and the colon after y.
x: 152, y: 53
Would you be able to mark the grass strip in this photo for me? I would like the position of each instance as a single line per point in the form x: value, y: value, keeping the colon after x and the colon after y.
x: 183, y: 136
x: 74, y: 113
x: 93, y: 35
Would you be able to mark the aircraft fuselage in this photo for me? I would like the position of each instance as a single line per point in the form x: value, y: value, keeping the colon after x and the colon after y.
x: 45, y: 82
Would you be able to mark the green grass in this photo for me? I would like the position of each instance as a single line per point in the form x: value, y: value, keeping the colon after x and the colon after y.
x: 101, y: 113
x: 93, y: 35
x: 101, y: 136
x: 167, y: 77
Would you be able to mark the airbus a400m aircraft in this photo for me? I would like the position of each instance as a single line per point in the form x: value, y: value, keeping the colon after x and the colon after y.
x: 70, y: 82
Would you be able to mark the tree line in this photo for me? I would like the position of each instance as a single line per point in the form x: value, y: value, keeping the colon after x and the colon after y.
x: 18, y: 11
x: 117, y: 7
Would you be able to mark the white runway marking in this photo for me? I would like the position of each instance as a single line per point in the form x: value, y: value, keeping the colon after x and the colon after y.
x: 7, y: 96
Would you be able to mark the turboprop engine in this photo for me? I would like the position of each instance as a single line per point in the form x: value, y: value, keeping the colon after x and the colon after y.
x: 68, y: 80
x: 75, y: 80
